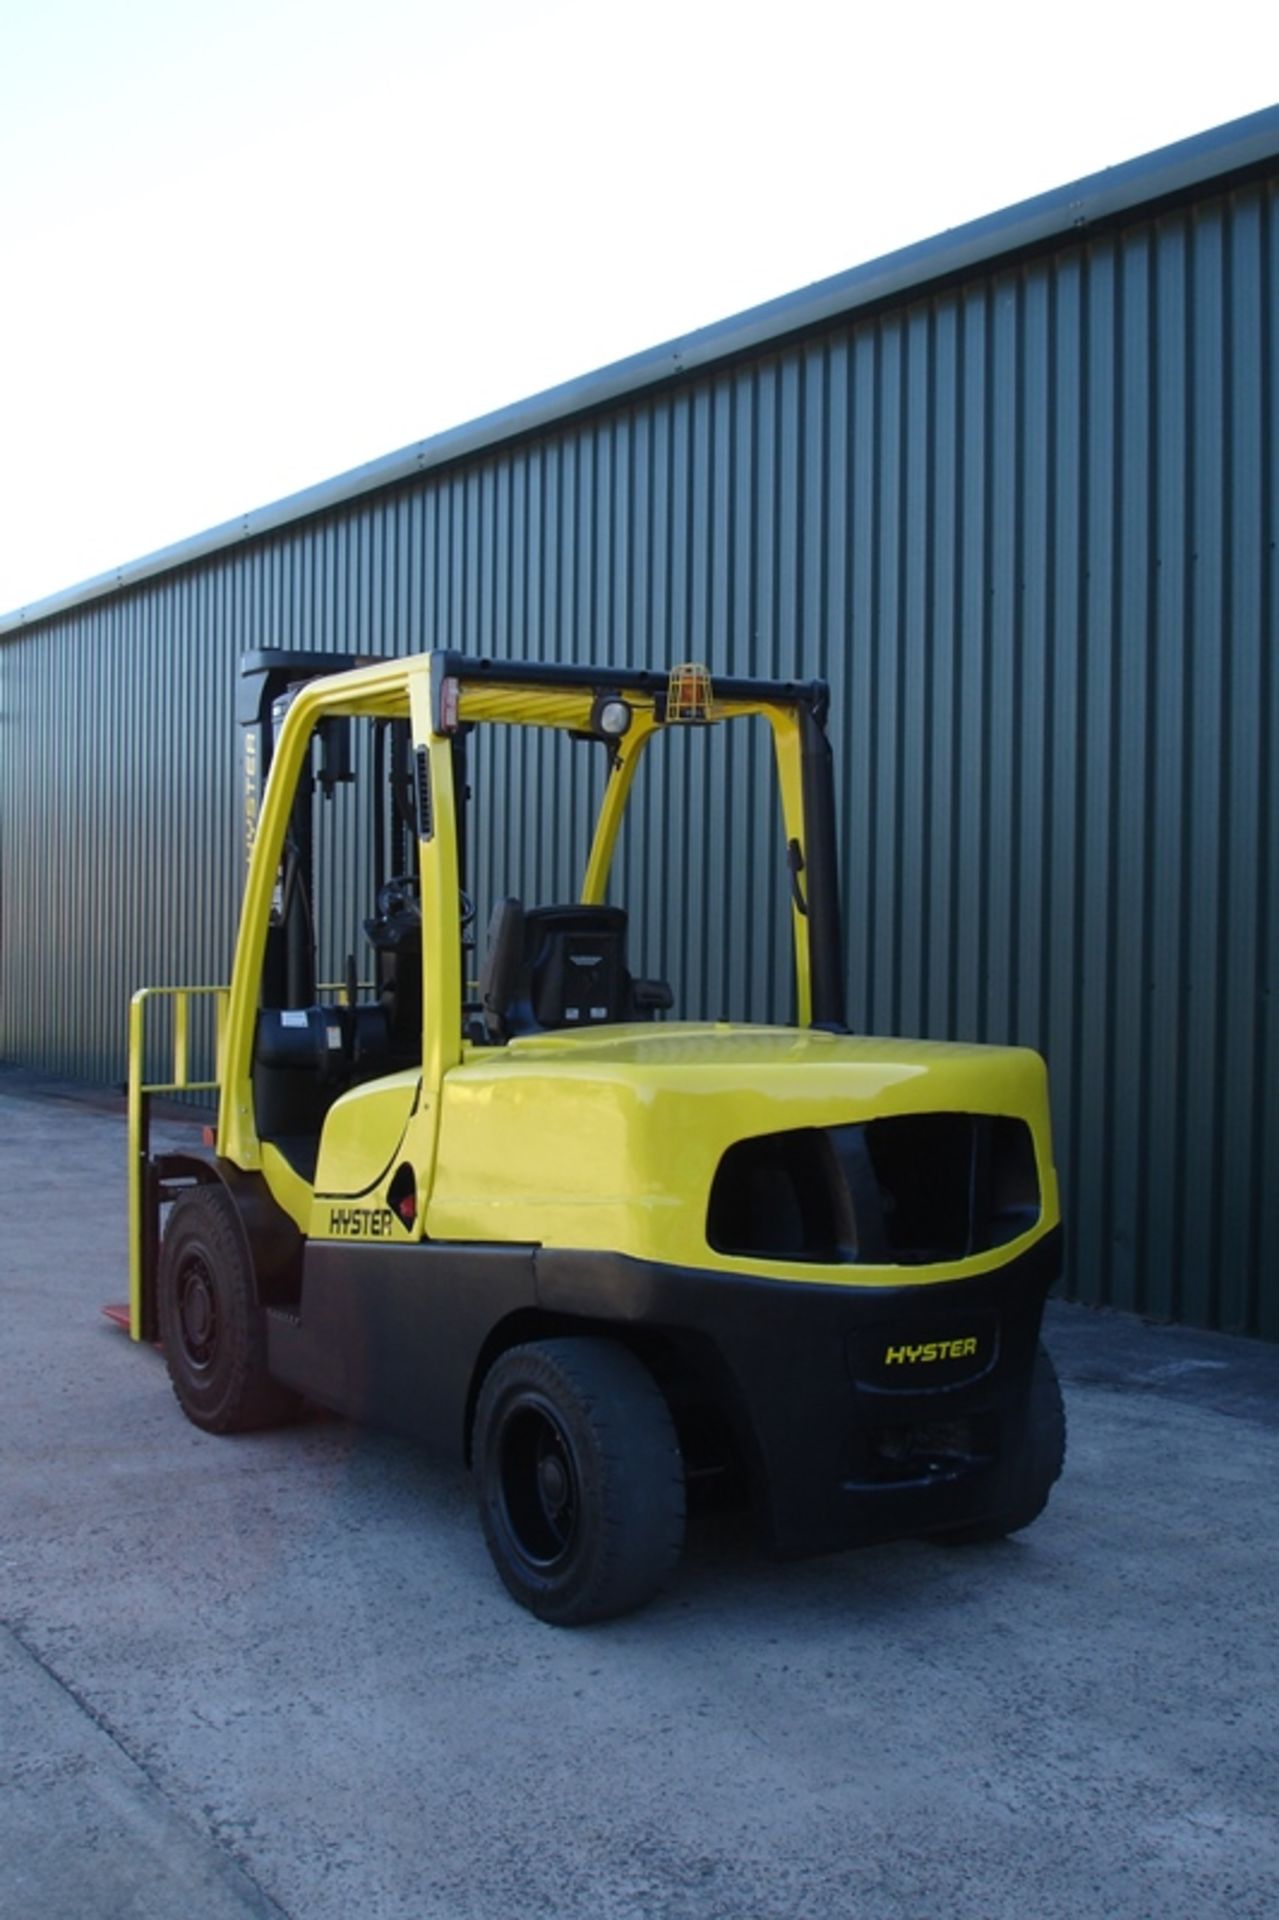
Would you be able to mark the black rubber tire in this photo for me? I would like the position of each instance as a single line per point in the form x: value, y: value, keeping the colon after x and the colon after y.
x: 211, y: 1328
x: 579, y: 1477
x: 1043, y: 1457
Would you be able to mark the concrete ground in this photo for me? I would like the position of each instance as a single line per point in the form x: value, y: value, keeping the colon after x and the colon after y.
x: 277, y: 1676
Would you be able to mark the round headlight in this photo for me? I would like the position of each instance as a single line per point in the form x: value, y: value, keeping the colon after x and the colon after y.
x: 612, y: 717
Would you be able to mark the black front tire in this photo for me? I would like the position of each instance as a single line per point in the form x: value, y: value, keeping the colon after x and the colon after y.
x: 580, y: 1479
x: 211, y: 1328
x: 1037, y: 1468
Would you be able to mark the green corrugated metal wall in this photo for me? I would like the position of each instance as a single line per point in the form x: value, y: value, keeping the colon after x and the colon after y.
x: 1026, y: 524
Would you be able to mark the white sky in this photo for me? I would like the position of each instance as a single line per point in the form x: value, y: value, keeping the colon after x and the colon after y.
x: 246, y: 247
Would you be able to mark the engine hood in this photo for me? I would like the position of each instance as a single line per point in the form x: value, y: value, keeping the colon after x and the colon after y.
x: 611, y: 1139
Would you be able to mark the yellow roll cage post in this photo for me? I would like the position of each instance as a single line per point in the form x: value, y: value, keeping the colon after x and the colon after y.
x: 798, y: 759
x: 442, y: 696
x: 786, y: 747
x: 394, y: 690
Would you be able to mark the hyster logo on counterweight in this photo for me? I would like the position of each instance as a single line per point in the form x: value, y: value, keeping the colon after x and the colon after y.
x: 930, y: 1350
x: 361, y: 1223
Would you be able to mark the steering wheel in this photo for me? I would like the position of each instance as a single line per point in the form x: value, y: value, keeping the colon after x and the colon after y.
x: 397, y: 897
x: 397, y: 917
x: 399, y: 912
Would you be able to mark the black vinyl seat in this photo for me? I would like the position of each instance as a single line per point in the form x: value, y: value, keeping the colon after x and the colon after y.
x: 575, y: 960
x: 557, y: 967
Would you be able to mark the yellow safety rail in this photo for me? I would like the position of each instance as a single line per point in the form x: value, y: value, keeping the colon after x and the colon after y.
x: 140, y: 1092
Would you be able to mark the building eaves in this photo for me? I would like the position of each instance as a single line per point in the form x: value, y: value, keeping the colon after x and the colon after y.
x: 1235, y: 151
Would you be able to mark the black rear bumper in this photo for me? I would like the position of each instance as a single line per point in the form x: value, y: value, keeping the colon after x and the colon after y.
x: 862, y: 1414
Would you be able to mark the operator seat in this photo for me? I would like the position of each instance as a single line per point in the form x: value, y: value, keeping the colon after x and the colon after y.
x: 560, y: 967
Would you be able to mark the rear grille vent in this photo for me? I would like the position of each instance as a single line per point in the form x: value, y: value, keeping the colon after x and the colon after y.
x: 906, y: 1191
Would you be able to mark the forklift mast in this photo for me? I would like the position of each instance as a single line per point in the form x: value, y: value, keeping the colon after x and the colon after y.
x: 269, y: 678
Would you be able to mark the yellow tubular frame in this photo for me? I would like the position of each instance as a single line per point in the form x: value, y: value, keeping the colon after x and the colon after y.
x: 139, y: 1093
x: 608, y: 821
x: 403, y: 688
x: 786, y: 748
x: 377, y: 691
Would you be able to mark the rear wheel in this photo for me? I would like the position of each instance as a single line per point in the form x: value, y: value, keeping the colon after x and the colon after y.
x: 580, y: 1479
x: 1039, y: 1468
x: 211, y: 1327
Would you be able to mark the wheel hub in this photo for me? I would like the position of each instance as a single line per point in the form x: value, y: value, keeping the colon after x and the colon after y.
x: 553, y: 1484
x: 538, y: 1484
x: 198, y: 1314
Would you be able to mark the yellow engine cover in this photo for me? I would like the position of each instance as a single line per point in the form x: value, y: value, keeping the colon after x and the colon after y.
x: 611, y: 1141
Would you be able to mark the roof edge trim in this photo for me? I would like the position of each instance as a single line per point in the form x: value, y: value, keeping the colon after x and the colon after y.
x: 1167, y: 173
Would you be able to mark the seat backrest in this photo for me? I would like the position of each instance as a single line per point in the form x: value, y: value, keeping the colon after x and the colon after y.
x: 501, y: 967
x: 575, y: 958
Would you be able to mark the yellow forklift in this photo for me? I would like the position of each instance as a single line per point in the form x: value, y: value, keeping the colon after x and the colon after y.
x: 600, y: 1253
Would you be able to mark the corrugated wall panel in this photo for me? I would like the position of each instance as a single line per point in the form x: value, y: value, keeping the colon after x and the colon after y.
x: 1026, y: 526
